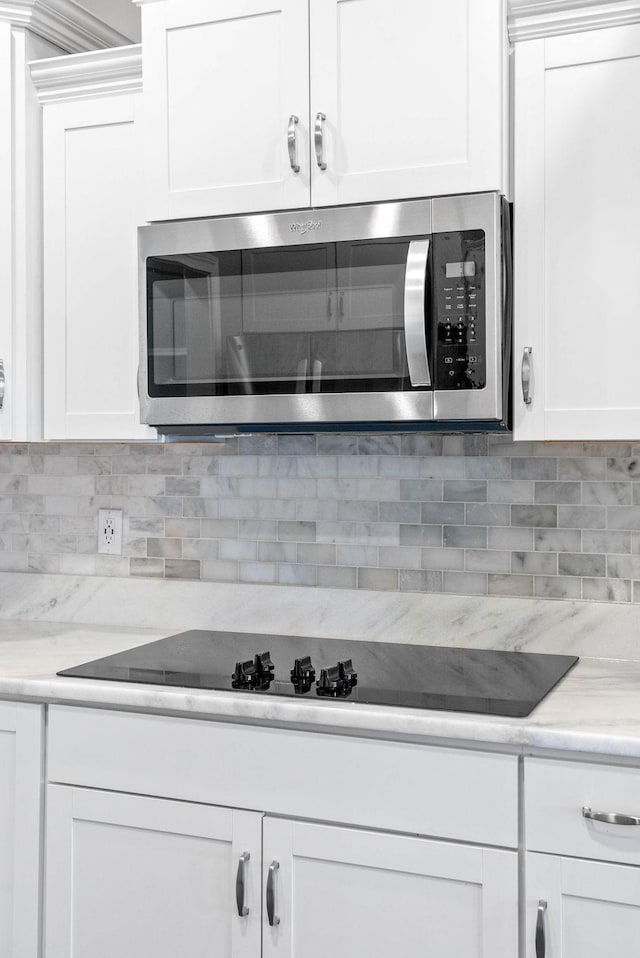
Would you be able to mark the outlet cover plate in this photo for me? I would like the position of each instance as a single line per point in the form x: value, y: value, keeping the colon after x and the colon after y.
x: 110, y: 532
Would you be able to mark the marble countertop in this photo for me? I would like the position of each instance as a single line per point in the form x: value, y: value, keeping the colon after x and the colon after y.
x: 52, y: 622
x: 595, y: 709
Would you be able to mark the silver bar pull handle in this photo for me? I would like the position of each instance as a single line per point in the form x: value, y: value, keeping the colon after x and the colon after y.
x: 3, y: 383
x: 415, y: 320
x: 271, y: 894
x: 292, y: 143
x: 541, y: 942
x: 527, y: 395
x: 241, y: 885
x: 610, y: 818
x: 318, y: 139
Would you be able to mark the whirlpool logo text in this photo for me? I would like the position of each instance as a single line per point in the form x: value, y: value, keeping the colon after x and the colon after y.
x: 306, y: 227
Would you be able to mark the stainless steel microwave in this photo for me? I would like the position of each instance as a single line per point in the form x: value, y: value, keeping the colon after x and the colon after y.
x: 389, y: 316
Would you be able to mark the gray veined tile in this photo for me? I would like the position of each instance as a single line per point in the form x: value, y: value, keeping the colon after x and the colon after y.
x: 582, y: 564
x: 487, y: 560
x: 606, y: 493
x: 607, y: 590
x: 439, y: 513
x: 623, y: 517
x: 400, y: 557
x: 623, y: 567
x: 378, y: 579
x: 512, y: 491
x: 358, y: 467
x: 581, y: 517
x: 405, y: 512
x: 181, y: 569
x: 618, y: 542
x: 279, y: 551
x: 623, y: 468
x: 420, y: 445
x: 557, y: 587
x: 557, y: 492
x: 443, y: 559
x: 410, y: 580
x: 535, y: 468
x: 357, y: 555
x: 579, y: 469
x: 421, y: 490
x: 465, y: 490
x: 419, y: 535
x: 465, y: 583
x: 442, y: 467
x: 510, y: 538
x: 310, y: 510
x: 487, y: 467
x: 311, y: 553
x: 296, y: 445
x: 464, y: 537
x: 336, y: 577
x: 510, y: 584
x: 265, y: 572
x: 557, y: 540
x: 534, y: 563
x: 486, y: 514
x: 379, y: 445
x: 296, y: 574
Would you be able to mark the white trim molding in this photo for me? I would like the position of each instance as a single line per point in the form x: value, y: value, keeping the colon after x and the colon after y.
x: 98, y: 73
x: 532, y: 19
x: 62, y: 22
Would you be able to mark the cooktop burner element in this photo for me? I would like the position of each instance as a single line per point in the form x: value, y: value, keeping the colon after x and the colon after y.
x: 373, y: 673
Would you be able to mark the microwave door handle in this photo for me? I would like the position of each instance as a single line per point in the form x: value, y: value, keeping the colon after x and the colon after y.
x: 415, y: 325
x: 301, y: 375
x: 316, y: 375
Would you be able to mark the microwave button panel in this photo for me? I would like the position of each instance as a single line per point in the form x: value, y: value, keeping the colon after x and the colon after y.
x: 458, y: 291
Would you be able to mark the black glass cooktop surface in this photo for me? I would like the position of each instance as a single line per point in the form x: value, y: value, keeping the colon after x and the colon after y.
x: 373, y: 673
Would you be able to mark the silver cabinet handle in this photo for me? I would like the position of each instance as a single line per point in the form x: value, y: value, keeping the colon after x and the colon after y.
x: 3, y: 383
x: 526, y: 375
x: 318, y: 139
x: 271, y: 894
x: 541, y: 943
x: 610, y: 818
x: 292, y: 143
x: 241, y: 885
x: 415, y: 326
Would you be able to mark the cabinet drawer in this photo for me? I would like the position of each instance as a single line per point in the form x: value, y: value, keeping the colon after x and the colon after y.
x: 556, y: 793
x: 406, y: 787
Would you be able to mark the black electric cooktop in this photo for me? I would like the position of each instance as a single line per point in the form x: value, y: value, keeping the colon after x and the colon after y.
x: 374, y: 673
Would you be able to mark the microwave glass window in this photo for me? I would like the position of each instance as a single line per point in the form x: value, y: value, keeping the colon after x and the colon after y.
x: 311, y: 318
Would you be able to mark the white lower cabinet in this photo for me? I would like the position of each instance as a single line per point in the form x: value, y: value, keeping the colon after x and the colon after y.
x: 130, y: 875
x: 228, y: 861
x: 581, y: 909
x: 21, y: 762
x: 582, y: 830
x: 345, y: 892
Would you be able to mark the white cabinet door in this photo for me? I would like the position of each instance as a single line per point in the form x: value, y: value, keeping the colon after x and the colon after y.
x: 592, y: 908
x: 343, y: 892
x: 577, y: 197
x: 92, y: 208
x: 131, y: 876
x: 20, y: 829
x: 414, y: 93
x: 222, y: 79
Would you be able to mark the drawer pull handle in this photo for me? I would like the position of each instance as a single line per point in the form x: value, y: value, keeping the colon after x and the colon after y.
x: 611, y: 818
x: 271, y: 894
x: 541, y: 943
x: 241, y: 885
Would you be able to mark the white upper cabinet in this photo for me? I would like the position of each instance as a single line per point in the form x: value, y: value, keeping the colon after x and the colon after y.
x: 272, y: 104
x: 223, y: 83
x: 92, y: 200
x: 577, y: 197
x: 414, y: 94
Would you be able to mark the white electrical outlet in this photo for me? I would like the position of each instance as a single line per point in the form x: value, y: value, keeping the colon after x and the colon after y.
x: 110, y: 531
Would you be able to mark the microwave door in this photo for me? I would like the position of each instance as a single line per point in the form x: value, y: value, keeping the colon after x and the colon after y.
x: 415, y: 320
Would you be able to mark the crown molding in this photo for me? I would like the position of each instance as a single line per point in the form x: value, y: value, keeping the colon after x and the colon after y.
x: 533, y: 19
x: 63, y: 23
x: 98, y: 73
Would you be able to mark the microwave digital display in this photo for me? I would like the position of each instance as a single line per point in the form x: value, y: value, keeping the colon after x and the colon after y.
x: 459, y: 270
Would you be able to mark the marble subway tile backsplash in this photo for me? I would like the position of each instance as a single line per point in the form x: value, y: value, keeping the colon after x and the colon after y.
x: 477, y: 515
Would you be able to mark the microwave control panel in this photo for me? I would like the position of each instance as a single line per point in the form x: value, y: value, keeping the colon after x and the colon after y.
x: 458, y: 289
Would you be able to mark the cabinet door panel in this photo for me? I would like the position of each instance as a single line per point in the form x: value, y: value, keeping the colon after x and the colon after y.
x: 131, y: 876
x: 92, y: 208
x: 345, y: 892
x: 577, y: 194
x: 413, y: 94
x: 222, y: 79
x: 20, y: 765
x: 593, y: 909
